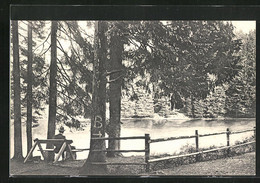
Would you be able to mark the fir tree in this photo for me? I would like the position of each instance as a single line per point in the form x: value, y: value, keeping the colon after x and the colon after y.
x: 241, y: 101
x: 18, y: 153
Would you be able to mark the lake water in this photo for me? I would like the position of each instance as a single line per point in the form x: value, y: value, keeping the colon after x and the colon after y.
x: 157, y: 128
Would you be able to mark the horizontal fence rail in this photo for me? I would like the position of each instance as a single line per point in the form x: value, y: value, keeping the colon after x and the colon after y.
x: 147, y: 142
x: 104, y: 163
x: 119, y: 138
x: 197, y: 153
x: 242, y: 131
x: 196, y: 136
x: 200, y: 135
x: 146, y: 139
x: 211, y: 134
x: 108, y: 150
x: 87, y: 149
x: 171, y: 138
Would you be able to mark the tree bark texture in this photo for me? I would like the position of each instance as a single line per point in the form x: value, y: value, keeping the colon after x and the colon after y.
x: 53, y: 88
x: 156, y: 107
x: 18, y: 153
x: 114, y: 127
x: 98, y: 117
x: 192, y: 107
x: 29, y: 90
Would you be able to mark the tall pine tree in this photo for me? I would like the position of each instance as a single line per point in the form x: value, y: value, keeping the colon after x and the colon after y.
x: 241, y: 97
x: 98, y: 117
x: 18, y: 154
x: 53, y: 88
x: 115, y: 84
x: 29, y: 89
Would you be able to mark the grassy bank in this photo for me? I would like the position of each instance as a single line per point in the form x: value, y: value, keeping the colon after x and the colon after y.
x: 237, y: 165
x: 209, y: 156
x: 235, y: 161
x: 233, y: 166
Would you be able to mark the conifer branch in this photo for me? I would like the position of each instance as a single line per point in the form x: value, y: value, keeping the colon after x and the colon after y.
x: 42, y: 44
x: 113, y: 72
x: 113, y: 80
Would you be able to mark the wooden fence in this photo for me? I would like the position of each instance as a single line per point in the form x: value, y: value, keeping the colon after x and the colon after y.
x: 197, y: 136
x: 148, y: 141
x: 146, y: 138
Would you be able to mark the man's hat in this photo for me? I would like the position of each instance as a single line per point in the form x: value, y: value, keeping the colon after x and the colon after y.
x: 61, y: 129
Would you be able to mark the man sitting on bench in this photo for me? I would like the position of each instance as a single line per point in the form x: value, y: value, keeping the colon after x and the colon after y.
x: 59, y: 144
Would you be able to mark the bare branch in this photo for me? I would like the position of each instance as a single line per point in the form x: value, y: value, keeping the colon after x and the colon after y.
x: 22, y: 35
x: 62, y: 49
x: 45, y: 51
x: 72, y: 98
x: 113, y: 80
x: 40, y: 75
x: 63, y: 69
x: 64, y: 114
x: 24, y: 22
x: 65, y: 79
x: 113, y: 71
x: 42, y: 43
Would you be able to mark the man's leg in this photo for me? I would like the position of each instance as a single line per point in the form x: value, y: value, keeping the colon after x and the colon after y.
x: 63, y: 156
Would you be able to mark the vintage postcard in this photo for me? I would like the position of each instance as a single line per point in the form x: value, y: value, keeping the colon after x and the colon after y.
x: 132, y: 97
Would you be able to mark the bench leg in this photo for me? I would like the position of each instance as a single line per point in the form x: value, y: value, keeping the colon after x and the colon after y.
x: 60, y: 152
x: 30, y: 152
x: 40, y: 147
x: 70, y: 151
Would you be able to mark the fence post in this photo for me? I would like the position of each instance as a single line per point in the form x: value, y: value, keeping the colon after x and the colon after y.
x: 197, y: 143
x: 255, y: 133
x: 147, y: 151
x: 228, y: 144
x: 228, y: 132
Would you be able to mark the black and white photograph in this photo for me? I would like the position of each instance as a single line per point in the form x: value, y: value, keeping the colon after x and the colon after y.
x: 132, y: 98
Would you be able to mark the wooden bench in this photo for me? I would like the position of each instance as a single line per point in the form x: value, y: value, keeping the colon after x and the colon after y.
x: 72, y: 150
x: 38, y: 142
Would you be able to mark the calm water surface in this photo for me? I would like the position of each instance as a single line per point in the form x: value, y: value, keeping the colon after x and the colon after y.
x: 157, y: 129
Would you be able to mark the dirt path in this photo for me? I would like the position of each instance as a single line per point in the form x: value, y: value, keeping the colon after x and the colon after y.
x: 237, y: 165
x: 42, y: 168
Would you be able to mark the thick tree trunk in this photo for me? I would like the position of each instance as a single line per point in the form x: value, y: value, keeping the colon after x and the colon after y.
x: 156, y: 107
x: 53, y: 88
x: 98, y: 117
x: 172, y: 101
x: 29, y: 90
x: 114, y: 130
x: 18, y: 152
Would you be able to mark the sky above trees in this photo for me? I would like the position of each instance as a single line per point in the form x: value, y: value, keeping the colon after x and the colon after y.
x: 244, y: 26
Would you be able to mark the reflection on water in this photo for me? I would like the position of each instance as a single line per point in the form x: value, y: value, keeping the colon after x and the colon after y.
x: 156, y: 128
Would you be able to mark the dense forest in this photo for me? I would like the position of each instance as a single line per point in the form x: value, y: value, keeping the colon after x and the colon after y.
x: 203, y: 69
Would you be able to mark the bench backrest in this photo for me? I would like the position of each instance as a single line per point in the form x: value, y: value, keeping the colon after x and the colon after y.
x: 53, y: 140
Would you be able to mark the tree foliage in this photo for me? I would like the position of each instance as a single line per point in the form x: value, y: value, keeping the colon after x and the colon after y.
x: 183, y: 59
x: 188, y: 52
x: 241, y: 96
x: 39, y: 69
x: 74, y: 75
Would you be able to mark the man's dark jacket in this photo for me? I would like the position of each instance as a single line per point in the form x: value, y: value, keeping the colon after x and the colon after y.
x: 58, y: 144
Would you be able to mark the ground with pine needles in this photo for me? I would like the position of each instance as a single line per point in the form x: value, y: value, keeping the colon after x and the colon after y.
x: 236, y: 165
